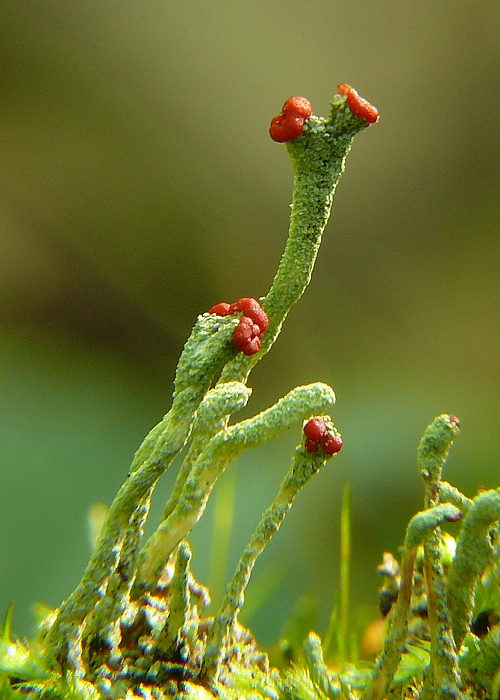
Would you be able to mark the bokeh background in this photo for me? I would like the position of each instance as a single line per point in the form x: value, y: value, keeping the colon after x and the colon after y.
x: 139, y: 187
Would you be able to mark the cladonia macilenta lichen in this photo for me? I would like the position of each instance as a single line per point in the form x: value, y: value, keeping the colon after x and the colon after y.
x: 136, y: 627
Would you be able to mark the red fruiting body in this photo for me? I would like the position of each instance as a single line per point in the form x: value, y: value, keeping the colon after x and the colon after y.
x: 248, y: 333
x: 331, y: 444
x: 454, y: 419
x: 285, y: 128
x: 312, y: 445
x: 344, y: 89
x: 246, y: 336
x: 455, y: 518
x: 253, y: 310
x: 247, y: 329
x: 297, y: 107
x: 290, y: 123
x: 359, y: 107
x: 222, y: 309
x: 317, y: 433
x: 315, y: 429
x: 252, y: 346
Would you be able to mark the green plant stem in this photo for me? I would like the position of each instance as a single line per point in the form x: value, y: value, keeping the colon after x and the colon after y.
x: 338, y: 624
x: 223, y: 522
x: 345, y: 557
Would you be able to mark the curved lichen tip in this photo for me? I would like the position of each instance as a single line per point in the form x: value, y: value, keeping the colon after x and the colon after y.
x: 435, y: 444
x: 423, y: 523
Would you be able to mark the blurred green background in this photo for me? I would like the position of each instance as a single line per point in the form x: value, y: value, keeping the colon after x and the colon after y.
x: 140, y: 187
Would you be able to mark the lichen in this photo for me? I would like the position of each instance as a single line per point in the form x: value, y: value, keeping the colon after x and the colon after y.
x: 136, y: 624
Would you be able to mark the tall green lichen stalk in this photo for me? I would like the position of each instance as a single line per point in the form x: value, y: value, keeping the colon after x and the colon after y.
x: 135, y: 627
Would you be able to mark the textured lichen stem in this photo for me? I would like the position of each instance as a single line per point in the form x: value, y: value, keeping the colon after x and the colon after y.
x: 211, y: 417
x: 315, y: 664
x: 432, y: 453
x: 473, y: 554
x: 318, y: 158
x: 420, y: 527
x: 450, y: 494
x: 205, y: 352
x: 220, y: 451
x: 102, y: 620
x: 179, y: 602
x: 304, y: 466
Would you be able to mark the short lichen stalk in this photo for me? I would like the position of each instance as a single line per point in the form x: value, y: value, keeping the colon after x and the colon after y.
x: 444, y: 674
x: 223, y: 448
x: 421, y: 527
x: 475, y: 551
x: 304, y: 465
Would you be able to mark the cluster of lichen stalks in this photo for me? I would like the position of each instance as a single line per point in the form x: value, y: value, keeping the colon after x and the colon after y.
x: 134, y: 626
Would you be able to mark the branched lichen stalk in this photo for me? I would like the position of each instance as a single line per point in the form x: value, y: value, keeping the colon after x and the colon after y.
x: 473, y: 554
x: 318, y: 158
x: 420, y: 527
x: 132, y: 626
x: 450, y: 494
x: 211, y: 417
x: 220, y: 451
x: 209, y: 345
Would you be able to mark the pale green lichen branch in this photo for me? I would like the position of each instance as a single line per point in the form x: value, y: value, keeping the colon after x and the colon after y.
x: 318, y: 157
x: 102, y: 620
x: 443, y: 677
x: 172, y: 636
x: 450, y: 494
x: 420, y: 527
x: 211, y: 417
x: 473, y: 554
x: 315, y: 664
x: 210, y: 345
x: 424, y: 523
x: 432, y: 453
x: 304, y: 466
x: 298, y: 404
